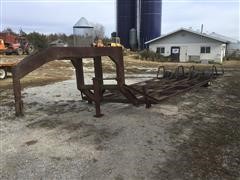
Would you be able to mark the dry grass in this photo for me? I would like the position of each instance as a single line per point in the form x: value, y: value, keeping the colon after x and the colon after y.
x: 59, y: 71
x: 49, y: 73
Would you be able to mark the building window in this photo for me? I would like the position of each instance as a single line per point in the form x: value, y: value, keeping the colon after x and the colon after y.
x: 208, y: 49
x: 160, y: 50
x: 205, y: 49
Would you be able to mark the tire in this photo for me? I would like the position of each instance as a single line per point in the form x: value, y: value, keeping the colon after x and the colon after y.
x: 3, y: 73
x: 30, y: 49
x: 19, y: 51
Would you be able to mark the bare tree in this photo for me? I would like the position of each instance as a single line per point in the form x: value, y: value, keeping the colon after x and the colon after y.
x: 22, y: 33
x: 98, y: 30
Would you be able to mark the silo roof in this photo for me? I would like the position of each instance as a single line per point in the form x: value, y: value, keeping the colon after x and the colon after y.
x: 82, y: 23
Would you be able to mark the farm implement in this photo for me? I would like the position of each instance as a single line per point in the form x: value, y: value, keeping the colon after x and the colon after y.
x: 152, y: 91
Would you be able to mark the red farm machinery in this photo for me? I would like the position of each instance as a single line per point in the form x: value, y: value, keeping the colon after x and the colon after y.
x: 14, y: 44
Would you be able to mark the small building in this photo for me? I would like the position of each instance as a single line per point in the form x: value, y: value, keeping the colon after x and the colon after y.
x: 184, y: 45
x: 58, y: 43
x: 233, y: 45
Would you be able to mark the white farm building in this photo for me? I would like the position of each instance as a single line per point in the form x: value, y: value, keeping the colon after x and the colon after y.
x: 186, y: 45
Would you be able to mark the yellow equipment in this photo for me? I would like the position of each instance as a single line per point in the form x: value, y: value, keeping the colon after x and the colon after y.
x: 115, y: 42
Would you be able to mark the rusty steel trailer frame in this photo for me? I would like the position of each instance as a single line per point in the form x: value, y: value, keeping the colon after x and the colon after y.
x: 171, y: 83
x: 76, y: 55
x: 154, y: 91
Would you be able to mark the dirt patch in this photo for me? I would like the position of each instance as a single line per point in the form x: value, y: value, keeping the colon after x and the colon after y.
x: 98, y: 136
x: 206, y: 137
x: 32, y: 142
x: 49, y: 123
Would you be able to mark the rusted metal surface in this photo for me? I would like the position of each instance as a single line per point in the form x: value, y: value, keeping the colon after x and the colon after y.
x: 92, y: 93
x: 171, y: 83
x: 155, y: 90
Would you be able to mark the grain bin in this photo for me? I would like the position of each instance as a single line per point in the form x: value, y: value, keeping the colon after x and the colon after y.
x: 143, y: 15
x: 151, y: 15
x: 126, y: 19
x: 133, y: 39
x: 83, y: 33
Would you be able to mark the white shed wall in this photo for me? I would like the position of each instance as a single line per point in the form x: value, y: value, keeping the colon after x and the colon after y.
x: 190, y: 45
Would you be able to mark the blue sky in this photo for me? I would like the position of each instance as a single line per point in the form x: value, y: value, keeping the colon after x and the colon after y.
x: 50, y: 16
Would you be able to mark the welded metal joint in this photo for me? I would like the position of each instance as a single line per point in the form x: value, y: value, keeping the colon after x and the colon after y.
x: 146, y: 100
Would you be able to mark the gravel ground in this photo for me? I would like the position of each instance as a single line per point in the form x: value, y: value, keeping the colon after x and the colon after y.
x: 192, y: 136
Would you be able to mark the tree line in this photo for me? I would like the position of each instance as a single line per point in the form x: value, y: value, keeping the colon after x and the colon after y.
x: 41, y: 41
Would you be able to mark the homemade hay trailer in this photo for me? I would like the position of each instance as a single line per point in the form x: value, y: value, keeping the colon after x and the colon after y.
x: 147, y: 92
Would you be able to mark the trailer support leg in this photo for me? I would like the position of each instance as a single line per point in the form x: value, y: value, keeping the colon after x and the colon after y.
x: 97, y: 97
x: 17, y: 97
x: 147, y: 101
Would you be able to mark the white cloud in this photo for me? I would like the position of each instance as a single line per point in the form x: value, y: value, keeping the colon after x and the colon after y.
x: 221, y: 17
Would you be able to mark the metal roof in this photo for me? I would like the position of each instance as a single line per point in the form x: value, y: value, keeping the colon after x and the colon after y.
x: 220, y: 36
x: 190, y: 31
x: 82, y: 23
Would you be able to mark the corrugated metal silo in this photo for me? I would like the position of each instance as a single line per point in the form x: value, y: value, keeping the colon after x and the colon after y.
x: 151, y: 14
x: 126, y: 19
x: 83, y: 33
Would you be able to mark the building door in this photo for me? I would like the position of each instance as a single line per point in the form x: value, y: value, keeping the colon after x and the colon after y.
x: 175, y: 53
x: 183, y: 54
